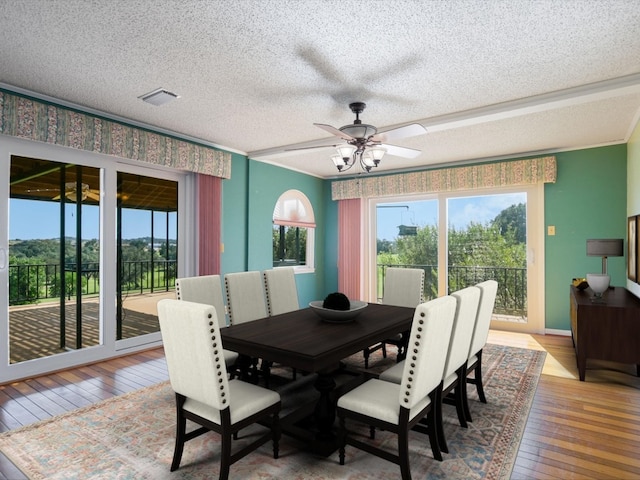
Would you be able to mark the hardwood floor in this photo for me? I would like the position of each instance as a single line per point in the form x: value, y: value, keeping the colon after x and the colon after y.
x: 576, y: 430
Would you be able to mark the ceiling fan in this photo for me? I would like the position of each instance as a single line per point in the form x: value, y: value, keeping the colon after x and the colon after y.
x: 71, y: 192
x: 364, y: 144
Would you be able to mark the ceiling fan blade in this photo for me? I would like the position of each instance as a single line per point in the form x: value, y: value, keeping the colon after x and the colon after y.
x: 93, y: 195
x: 334, y: 131
x: 310, y: 148
x: 401, y: 151
x: 410, y: 130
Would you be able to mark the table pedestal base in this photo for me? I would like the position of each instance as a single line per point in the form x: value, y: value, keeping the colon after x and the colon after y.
x: 314, y: 423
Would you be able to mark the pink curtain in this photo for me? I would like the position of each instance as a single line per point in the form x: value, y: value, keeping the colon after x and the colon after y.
x: 349, y: 248
x: 209, y: 224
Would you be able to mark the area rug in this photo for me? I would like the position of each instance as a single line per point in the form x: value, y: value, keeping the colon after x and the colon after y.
x: 132, y: 436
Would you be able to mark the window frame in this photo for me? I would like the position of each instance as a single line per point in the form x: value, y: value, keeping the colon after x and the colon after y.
x: 302, y: 216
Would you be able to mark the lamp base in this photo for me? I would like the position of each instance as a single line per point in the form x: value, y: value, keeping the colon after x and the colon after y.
x: 599, y: 283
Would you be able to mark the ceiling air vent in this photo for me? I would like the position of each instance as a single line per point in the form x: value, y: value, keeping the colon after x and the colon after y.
x: 159, y: 97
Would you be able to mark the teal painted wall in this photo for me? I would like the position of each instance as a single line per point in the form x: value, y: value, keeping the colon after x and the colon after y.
x: 234, y: 217
x: 331, y: 242
x: 587, y: 201
x: 248, y: 200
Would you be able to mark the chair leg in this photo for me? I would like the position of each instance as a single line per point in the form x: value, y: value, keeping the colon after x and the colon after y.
x: 265, y: 369
x: 275, y: 435
x: 459, y: 395
x: 225, y: 456
x: 459, y: 401
x: 342, y: 440
x: 366, y: 354
x: 181, y: 427
x: 465, y: 399
x: 403, y: 453
x: 478, y: 378
x: 439, y: 424
x: 432, y: 431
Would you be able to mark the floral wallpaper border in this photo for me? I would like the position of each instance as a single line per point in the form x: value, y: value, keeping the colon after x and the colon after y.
x: 499, y: 174
x: 32, y: 119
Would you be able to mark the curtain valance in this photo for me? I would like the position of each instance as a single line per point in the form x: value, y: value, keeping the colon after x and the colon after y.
x: 499, y: 174
x: 33, y: 119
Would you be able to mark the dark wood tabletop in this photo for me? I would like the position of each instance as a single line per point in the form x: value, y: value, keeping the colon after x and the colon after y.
x: 302, y: 340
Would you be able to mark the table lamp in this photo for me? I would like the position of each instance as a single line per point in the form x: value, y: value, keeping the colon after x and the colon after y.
x: 605, y: 248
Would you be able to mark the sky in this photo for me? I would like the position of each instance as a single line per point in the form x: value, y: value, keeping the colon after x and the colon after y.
x: 29, y: 219
x: 463, y: 210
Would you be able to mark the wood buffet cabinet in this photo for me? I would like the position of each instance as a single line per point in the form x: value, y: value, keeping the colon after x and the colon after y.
x: 607, y: 329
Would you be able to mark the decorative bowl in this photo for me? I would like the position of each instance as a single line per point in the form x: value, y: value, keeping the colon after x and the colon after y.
x: 338, y: 316
x: 599, y: 283
x: 580, y: 283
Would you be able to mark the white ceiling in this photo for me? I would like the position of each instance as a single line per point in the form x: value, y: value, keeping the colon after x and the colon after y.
x: 487, y: 78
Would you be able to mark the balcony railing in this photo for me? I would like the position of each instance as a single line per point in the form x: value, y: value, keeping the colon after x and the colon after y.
x: 511, y: 299
x: 32, y: 283
x: 37, y: 282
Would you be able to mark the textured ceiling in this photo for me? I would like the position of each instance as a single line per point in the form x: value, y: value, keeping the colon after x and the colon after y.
x: 488, y: 79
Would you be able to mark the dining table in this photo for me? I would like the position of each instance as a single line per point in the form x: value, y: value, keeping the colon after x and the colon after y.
x: 303, y: 340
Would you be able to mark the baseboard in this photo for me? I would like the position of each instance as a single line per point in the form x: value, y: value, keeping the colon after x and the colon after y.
x: 554, y: 331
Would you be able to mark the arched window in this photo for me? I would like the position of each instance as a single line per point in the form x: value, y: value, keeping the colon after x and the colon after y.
x: 293, y: 231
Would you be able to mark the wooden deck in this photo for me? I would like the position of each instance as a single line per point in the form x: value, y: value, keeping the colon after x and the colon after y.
x: 34, y: 330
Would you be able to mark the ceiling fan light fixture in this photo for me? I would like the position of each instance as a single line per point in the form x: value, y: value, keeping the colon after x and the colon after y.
x: 345, y: 152
x: 377, y: 153
x: 368, y: 161
x: 338, y: 161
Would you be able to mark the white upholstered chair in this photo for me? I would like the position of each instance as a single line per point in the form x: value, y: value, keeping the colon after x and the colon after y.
x: 454, y: 373
x: 247, y: 302
x: 403, y: 287
x: 281, y: 289
x: 488, y: 292
x: 206, y: 289
x: 245, y: 297
x: 282, y: 293
x: 398, y: 408
x: 204, y: 394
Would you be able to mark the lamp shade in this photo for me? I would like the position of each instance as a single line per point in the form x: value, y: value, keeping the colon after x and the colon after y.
x: 345, y: 151
x: 605, y: 247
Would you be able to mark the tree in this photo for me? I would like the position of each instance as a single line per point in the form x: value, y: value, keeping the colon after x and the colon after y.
x: 513, y: 218
x: 385, y: 246
x: 419, y: 249
x: 289, y: 245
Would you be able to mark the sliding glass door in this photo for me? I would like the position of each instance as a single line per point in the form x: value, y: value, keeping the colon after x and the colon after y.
x: 89, y: 246
x: 147, y: 236
x: 465, y: 238
x: 54, y: 258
